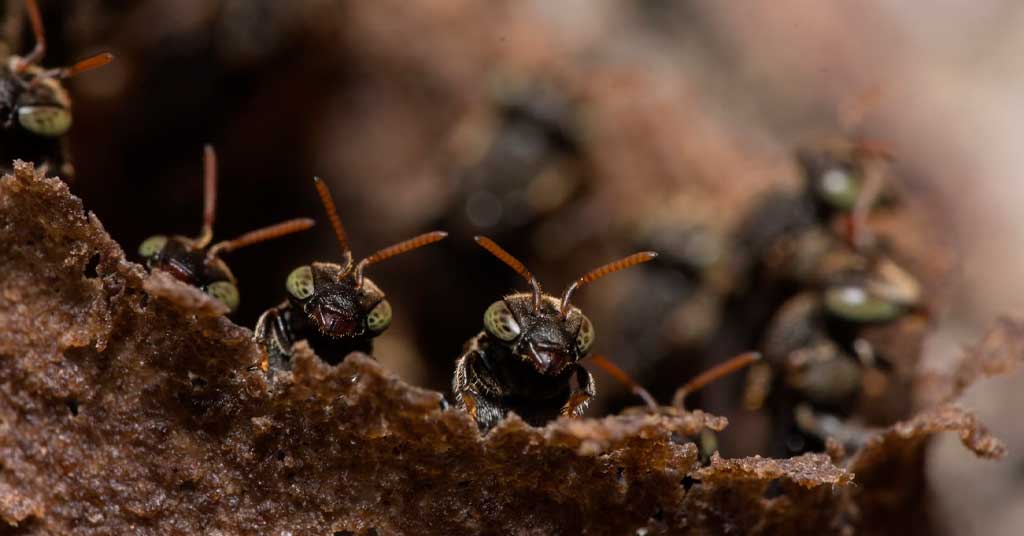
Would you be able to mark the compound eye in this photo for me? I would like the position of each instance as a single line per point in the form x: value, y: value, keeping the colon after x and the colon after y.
x: 839, y: 186
x: 49, y: 121
x: 856, y: 304
x: 585, y: 337
x: 226, y: 292
x: 152, y: 245
x: 500, y: 322
x: 300, y: 282
x: 380, y: 317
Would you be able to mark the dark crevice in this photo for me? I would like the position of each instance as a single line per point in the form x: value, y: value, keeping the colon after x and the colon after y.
x: 73, y: 406
x: 92, y: 265
x: 774, y: 489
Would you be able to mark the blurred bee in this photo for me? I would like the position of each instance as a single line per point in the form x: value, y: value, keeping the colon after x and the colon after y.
x: 35, y: 108
x: 197, y: 261
x: 528, y: 354
x: 519, y: 164
x: 816, y: 348
x: 833, y: 281
x: 333, y: 306
x: 670, y: 322
x: 787, y: 233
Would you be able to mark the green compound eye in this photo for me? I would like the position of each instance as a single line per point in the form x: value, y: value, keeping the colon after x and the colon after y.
x: 585, y: 337
x: 225, y: 291
x: 380, y: 317
x: 500, y: 321
x: 839, y: 186
x: 152, y: 245
x: 857, y: 305
x: 49, y: 121
x: 300, y: 282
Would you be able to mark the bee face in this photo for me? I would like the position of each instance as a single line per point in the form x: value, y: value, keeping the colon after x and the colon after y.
x: 881, y: 292
x: 42, y: 106
x: 179, y: 257
x: 544, y: 337
x: 336, y: 303
x: 833, y: 180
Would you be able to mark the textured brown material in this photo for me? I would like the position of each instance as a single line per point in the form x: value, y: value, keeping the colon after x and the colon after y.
x: 129, y: 405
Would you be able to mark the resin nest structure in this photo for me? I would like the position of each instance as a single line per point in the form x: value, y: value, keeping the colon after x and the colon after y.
x: 130, y: 405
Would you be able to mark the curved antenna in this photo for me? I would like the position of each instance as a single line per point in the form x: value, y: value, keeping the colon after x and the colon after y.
x: 39, y: 51
x: 404, y: 246
x: 601, y: 271
x: 624, y: 378
x: 261, y: 235
x: 209, y: 195
x: 714, y: 373
x: 513, y: 263
x: 332, y: 215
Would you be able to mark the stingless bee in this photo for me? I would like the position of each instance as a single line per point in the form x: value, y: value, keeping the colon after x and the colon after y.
x: 195, y: 260
x: 845, y: 282
x: 333, y: 306
x: 35, y: 108
x: 529, y: 351
x: 525, y: 161
x: 815, y: 344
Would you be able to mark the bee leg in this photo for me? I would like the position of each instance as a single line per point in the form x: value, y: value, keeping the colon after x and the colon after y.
x: 484, y: 411
x: 584, y: 391
x: 466, y: 385
x: 275, y: 337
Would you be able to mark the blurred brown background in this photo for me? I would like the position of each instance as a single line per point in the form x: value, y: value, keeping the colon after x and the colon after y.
x: 684, y: 107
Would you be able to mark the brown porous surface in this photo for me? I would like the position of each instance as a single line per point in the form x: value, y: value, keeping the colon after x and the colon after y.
x: 130, y: 405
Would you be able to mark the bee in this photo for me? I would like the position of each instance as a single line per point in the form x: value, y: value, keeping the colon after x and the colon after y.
x: 672, y: 321
x: 35, y: 108
x: 521, y: 166
x: 528, y: 354
x: 196, y: 261
x: 333, y: 306
x: 824, y: 282
x: 843, y: 182
x: 815, y: 344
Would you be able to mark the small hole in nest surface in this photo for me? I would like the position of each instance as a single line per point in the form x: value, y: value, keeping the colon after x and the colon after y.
x: 280, y: 455
x: 73, y: 407
x: 344, y: 533
x: 91, y: 266
x: 688, y: 482
x: 774, y: 489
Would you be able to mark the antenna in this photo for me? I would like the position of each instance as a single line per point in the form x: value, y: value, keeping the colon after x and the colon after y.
x: 714, y: 373
x: 39, y: 51
x: 624, y: 378
x: 332, y: 215
x: 601, y: 271
x: 513, y: 263
x: 404, y: 246
x: 83, y: 66
x: 209, y: 195
x: 261, y: 235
